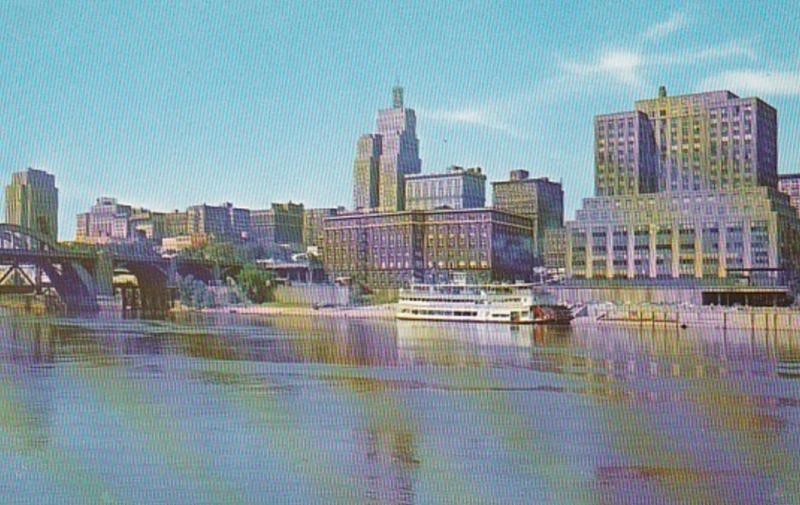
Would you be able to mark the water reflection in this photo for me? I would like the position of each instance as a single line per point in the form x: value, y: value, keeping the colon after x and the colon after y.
x: 338, y: 410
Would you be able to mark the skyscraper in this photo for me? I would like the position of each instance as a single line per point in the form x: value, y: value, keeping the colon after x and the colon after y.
x: 400, y: 154
x: 396, y: 148
x: 702, y: 141
x: 365, y: 172
x: 625, y: 154
x: 715, y: 209
x: 32, y: 202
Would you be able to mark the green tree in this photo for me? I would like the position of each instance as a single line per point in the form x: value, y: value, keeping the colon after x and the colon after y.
x: 255, y: 283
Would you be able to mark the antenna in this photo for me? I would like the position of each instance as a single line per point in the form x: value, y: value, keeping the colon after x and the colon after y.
x: 397, y: 97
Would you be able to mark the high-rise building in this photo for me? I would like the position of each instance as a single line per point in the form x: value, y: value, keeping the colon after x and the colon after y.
x: 391, y: 154
x: 400, y: 152
x: 32, y: 202
x: 539, y: 199
x: 703, y: 141
x: 457, y: 188
x: 625, y: 154
x: 716, y: 210
x: 790, y: 185
x: 365, y: 172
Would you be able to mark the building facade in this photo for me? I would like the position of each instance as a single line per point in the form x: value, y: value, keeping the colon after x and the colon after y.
x: 399, y: 154
x: 281, y: 224
x: 716, y: 211
x: 144, y: 224
x: 789, y: 184
x: 386, y: 157
x: 397, y: 248
x: 314, y: 225
x: 625, y: 154
x: 539, y: 199
x: 366, y: 171
x: 689, y: 235
x: 224, y: 222
x: 176, y: 223
x: 107, y: 221
x: 555, y: 250
x: 32, y: 202
x: 457, y: 188
x: 704, y: 141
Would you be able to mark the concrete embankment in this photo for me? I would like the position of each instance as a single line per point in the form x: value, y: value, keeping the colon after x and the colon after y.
x: 756, y: 318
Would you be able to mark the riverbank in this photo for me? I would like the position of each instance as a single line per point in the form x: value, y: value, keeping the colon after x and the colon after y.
x: 685, y: 316
x: 386, y: 311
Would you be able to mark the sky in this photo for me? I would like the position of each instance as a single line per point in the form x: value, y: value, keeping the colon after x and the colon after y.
x: 170, y: 104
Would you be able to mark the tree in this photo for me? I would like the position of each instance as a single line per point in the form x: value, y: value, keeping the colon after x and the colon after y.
x: 255, y: 283
x: 194, y: 293
x: 221, y: 252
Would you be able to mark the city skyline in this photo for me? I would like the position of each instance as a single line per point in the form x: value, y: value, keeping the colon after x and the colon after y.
x: 149, y: 107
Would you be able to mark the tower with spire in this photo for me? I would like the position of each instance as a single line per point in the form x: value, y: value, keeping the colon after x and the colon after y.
x: 384, y: 158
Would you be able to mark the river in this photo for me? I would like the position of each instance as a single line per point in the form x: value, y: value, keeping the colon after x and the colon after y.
x: 254, y: 409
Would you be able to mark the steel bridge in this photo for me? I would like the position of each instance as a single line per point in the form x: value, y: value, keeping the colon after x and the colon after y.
x: 32, y: 263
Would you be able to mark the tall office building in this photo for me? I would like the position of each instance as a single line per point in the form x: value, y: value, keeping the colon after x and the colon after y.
x: 716, y: 208
x: 396, y: 148
x: 365, y: 172
x: 703, y: 141
x: 400, y: 152
x: 539, y: 199
x: 625, y: 154
x: 32, y: 202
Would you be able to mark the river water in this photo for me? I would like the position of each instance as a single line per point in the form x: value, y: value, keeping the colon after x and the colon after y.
x: 240, y: 409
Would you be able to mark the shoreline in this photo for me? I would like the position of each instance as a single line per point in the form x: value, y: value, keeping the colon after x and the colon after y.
x: 365, y: 312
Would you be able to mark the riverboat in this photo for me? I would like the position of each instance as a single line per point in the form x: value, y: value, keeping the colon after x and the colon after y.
x: 485, y: 303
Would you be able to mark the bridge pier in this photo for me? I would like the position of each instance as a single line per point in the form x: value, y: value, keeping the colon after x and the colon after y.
x: 104, y: 274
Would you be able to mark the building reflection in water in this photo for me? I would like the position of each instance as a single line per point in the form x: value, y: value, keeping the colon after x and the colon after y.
x: 27, y: 349
x: 663, y: 414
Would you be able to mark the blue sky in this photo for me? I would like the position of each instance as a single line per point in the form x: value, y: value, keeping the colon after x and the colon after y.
x: 170, y: 104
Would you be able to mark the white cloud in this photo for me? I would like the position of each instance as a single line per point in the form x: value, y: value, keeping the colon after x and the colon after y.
x: 483, y: 116
x: 622, y: 66
x: 756, y: 82
x: 676, y: 22
x: 628, y: 67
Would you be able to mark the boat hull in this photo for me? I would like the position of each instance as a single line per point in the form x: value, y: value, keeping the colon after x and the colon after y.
x: 498, y: 303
